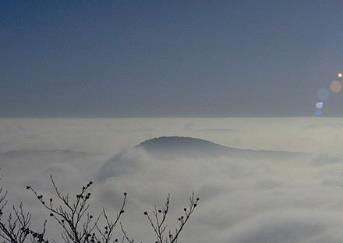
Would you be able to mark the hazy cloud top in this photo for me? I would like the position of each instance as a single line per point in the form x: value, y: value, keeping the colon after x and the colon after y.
x: 242, y: 200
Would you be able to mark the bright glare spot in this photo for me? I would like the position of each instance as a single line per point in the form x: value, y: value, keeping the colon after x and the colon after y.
x: 336, y: 87
x: 340, y: 75
x: 319, y: 105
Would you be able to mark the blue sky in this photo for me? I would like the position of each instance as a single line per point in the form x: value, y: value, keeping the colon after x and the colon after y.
x: 169, y: 58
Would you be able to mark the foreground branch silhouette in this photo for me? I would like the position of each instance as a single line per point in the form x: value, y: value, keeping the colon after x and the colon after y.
x: 15, y: 226
x: 74, y: 217
x: 157, y: 220
x: 79, y: 225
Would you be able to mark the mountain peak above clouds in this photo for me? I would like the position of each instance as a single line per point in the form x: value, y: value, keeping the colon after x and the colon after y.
x: 181, y: 145
x: 173, y: 148
x: 189, y: 146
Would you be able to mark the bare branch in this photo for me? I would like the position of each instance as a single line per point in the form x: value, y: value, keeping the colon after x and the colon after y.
x: 15, y: 227
x: 157, y: 220
x: 73, y: 215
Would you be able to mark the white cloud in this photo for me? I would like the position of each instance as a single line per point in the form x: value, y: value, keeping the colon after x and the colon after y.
x: 242, y: 200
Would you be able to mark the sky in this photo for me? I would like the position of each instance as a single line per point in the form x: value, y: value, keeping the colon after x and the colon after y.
x: 169, y: 58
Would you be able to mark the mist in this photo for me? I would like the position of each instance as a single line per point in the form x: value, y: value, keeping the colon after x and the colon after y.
x: 250, y: 200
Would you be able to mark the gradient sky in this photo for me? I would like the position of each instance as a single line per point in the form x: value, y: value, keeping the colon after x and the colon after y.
x: 168, y: 58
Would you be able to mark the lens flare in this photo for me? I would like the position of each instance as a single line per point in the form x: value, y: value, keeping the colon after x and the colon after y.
x: 323, y: 94
x: 336, y: 87
x: 319, y: 105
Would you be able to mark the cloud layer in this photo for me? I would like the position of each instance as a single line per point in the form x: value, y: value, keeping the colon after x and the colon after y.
x: 243, y: 200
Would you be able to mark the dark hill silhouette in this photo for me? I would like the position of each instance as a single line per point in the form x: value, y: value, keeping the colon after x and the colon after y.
x: 182, y: 146
x: 172, y: 148
x: 195, y: 147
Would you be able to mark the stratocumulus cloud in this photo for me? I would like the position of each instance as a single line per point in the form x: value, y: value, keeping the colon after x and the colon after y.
x: 243, y: 200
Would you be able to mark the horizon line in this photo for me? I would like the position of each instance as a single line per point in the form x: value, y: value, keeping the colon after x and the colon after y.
x: 157, y: 117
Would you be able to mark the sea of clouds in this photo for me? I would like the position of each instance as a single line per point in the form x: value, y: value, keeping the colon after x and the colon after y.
x: 243, y: 200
